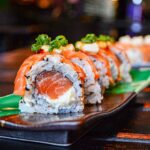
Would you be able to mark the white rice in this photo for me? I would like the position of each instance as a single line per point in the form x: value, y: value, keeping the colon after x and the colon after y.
x: 35, y: 102
x: 113, y: 68
x: 92, y: 88
x: 102, y: 70
x: 125, y: 66
x: 135, y: 56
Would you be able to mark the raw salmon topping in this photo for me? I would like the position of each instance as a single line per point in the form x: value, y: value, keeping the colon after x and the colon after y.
x: 107, y: 52
x: 20, y: 81
x: 78, y: 69
x: 80, y: 55
x: 52, y: 83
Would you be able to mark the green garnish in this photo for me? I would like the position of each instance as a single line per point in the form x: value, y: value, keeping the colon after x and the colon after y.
x: 89, y: 38
x: 105, y: 38
x: 42, y: 39
x: 54, y: 44
x: 35, y: 47
x: 62, y: 40
x: 59, y: 41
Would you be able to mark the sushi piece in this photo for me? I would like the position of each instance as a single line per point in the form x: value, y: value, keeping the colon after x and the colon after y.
x: 122, y: 60
x: 89, y: 46
x: 132, y: 49
x: 49, y: 83
x: 142, y: 45
x: 92, y: 90
x: 125, y: 66
x: 104, y: 60
x: 117, y: 54
x: 104, y: 42
x: 100, y: 64
x: 137, y: 48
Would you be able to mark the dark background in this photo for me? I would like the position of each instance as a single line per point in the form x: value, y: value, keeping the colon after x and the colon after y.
x: 22, y: 20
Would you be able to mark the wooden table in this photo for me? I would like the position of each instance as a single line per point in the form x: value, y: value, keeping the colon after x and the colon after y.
x: 129, y: 129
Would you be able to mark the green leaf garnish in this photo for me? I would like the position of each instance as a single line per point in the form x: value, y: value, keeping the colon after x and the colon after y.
x: 42, y: 39
x: 11, y: 100
x: 35, y: 47
x: 101, y: 38
x: 62, y: 40
x: 140, y: 80
x: 89, y: 38
x: 105, y: 38
x: 54, y: 44
x: 59, y: 41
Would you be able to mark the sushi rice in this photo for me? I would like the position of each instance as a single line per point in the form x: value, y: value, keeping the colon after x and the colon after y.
x: 92, y: 88
x: 102, y: 70
x: 125, y: 66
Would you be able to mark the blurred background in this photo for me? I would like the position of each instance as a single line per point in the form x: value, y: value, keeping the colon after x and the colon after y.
x: 22, y: 20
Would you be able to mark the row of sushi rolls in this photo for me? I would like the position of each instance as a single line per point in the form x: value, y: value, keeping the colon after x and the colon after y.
x: 61, y: 77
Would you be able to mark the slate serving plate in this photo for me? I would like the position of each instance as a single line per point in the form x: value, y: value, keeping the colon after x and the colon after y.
x: 64, y: 129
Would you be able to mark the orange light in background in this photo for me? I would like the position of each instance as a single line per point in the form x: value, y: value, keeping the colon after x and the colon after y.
x: 115, y: 4
x: 44, y: 3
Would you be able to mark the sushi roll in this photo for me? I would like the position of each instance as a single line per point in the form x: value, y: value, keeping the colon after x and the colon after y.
x: 61, y: 78
x: 49, y: 83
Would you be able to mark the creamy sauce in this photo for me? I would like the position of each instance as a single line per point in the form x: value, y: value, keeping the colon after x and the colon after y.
x: 88, y: 47
x: 45, y: 48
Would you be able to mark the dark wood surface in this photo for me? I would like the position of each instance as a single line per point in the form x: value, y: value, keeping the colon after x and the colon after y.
x: 128, y: 129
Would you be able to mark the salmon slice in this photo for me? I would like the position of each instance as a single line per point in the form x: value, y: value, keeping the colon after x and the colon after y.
x: 102, y: 59
x: 120, y: 48
x: 145, y: 52
x: 108, y: 53
x: 52, y: 84
x: 100, y: 56
x: 78, y: 69
x: 20, y: 81
x: 73, y: 54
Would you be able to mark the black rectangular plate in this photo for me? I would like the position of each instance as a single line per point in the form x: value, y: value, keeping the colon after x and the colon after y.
x: 62, y: 129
